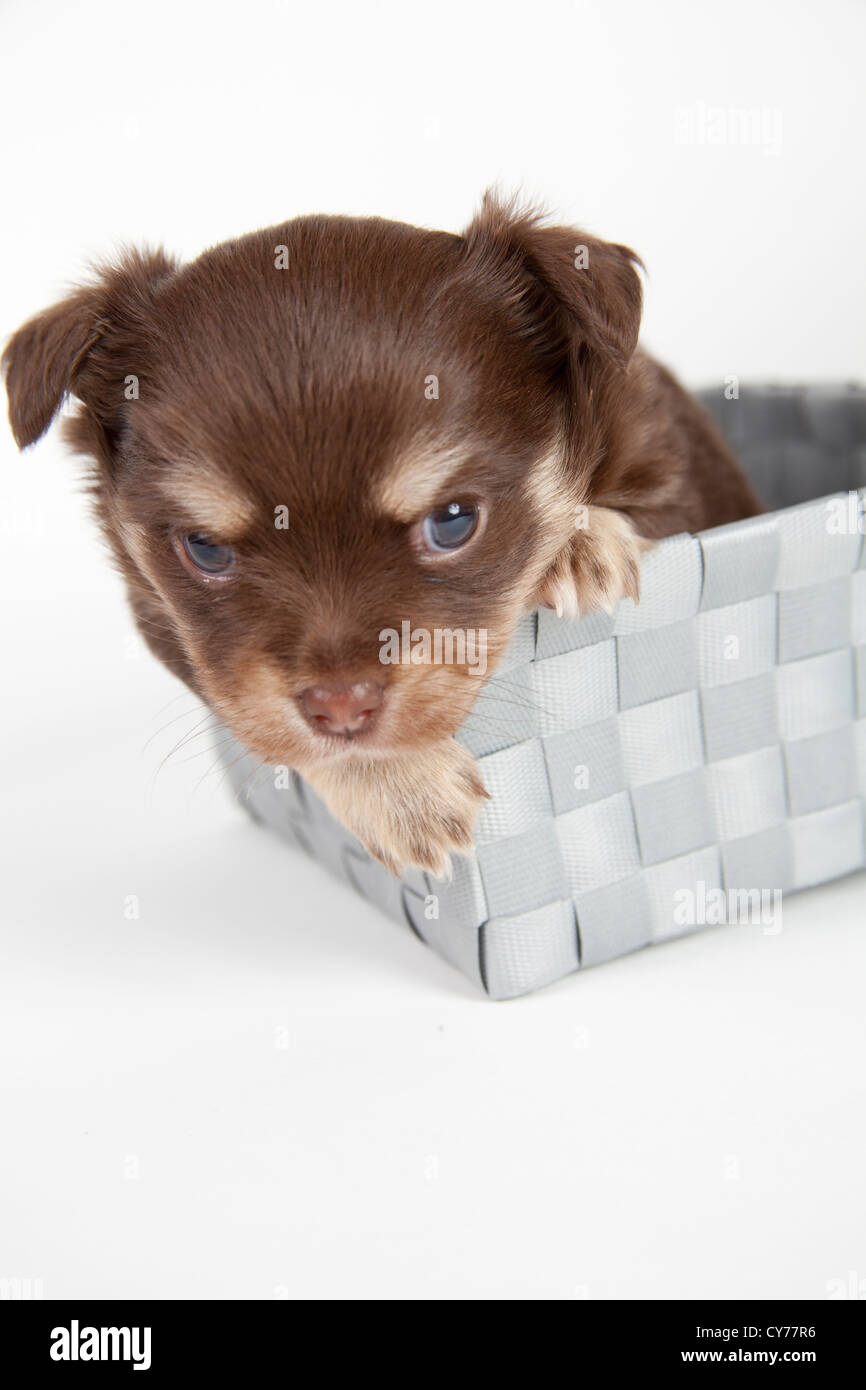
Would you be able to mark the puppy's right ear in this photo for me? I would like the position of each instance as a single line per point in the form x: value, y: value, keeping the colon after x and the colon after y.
x: 81, y: 347
x: 43, y: 360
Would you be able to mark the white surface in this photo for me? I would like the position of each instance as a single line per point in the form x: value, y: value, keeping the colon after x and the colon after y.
x: 313, y: 1103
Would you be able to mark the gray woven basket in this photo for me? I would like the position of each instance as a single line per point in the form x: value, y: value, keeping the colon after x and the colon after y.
x: 684, y: 759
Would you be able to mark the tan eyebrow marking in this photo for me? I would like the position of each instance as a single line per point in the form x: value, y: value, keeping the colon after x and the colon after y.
x: 212, y: 503
x: 418, y: 480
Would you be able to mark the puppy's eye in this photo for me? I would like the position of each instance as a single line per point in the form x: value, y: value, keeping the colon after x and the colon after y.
x: 449, y: 527
x: 206, y: 556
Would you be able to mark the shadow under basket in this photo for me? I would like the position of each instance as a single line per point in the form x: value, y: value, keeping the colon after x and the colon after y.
x: 680, y: 764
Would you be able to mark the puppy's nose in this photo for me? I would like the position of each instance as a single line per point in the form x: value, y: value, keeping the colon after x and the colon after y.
x: 346, y: 709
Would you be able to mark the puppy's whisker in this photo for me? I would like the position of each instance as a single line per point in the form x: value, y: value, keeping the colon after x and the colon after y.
x: 246, y: 790
x: 185, y: 714
x: 489, y: 719
x: 496, y: 697
x: 226, y: 769
x: 180, y: 744
x: 155, y: 629
x: 530, y: 706
x: 190, y: 738
x: 181, y: 695
x: 505, y: 699
x: 200, y: 752
x: 513, y: 687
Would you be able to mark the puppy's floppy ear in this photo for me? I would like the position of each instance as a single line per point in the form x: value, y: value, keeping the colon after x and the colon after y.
x: 83, y: 346
x: 569, y: 292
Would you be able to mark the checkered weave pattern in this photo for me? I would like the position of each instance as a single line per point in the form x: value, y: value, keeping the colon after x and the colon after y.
x: 712, y: 737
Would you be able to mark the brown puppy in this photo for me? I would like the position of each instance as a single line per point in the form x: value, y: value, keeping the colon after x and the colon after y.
x: 319, y: 432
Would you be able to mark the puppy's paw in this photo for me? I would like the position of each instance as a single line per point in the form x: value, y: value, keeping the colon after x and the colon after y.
x: 599, y: 565
x: 428, y: 813
x: 410, y: 812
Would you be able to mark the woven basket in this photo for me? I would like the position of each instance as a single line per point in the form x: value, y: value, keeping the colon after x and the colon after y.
x: 668, y: 767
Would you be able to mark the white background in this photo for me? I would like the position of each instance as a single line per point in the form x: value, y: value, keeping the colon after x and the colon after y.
x: 260, y: 1087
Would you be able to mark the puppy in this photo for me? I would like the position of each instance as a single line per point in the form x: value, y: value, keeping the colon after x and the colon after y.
x: 315, y: 434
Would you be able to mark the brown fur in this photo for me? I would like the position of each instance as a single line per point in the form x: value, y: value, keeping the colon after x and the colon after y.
x: 304, y: 388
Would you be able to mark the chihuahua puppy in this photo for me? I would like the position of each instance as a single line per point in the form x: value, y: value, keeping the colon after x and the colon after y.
x: 314, y: 434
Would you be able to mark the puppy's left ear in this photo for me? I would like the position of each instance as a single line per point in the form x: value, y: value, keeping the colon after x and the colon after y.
x: 575, y: 302
x: 568, y: 293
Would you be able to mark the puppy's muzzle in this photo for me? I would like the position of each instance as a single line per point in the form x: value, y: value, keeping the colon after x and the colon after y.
x: 345, y: 710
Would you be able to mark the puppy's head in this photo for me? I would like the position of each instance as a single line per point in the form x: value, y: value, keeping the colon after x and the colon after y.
x: 315, y: 445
